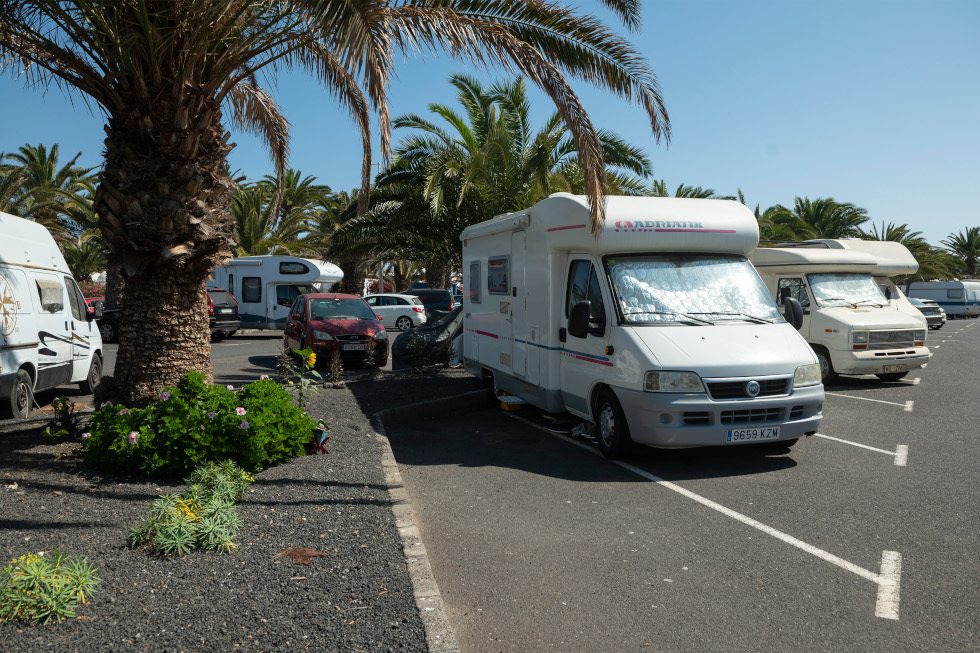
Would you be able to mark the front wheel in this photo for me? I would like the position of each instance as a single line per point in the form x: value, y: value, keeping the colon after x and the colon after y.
x: 614, y: 433
x: 892, y: 376
x: 18, y: 404
x: 827, y: 373
x: 108, y: 331
x: 94, y: 377
x: 404, y: 323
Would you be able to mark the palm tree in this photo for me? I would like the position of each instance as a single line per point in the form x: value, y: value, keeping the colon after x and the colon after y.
x: 272, y: 216
x: 966, y: 245
x: 822, y: 218
x: 658, y: 188
x: 84, y: 258
x: 46, y: 191
x: 166, y: 73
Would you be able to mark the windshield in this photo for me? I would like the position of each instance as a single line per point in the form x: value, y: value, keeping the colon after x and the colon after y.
x: 689, y: 289
x: 340, y: 308
x: 846, y: 289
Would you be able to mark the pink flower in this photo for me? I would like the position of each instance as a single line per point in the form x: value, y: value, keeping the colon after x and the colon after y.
x: 164, y: 396
x: 86, y: 436
x: 240, y: 410
x: 202, y: 427
x: 211, y: 414
x: 264, y: 376
x: 124, y: 412
x: 133, y: 437
x: 244, y: 425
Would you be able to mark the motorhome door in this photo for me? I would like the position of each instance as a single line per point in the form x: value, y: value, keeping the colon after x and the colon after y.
x: 54, y: 361
x: 796, y: 287
x: 584, y: 361
x: 518, y: 304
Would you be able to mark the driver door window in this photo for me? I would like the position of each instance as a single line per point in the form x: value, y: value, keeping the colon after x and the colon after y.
x: 797, y: 290
x: 583, y: 286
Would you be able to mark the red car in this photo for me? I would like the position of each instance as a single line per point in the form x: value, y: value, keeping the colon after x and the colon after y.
x: 329, y: 322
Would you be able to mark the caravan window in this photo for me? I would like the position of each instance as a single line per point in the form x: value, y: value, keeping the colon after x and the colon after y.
x: 474, y: 283
x: 293, y: 267
x: 583, y: 286
x: 286, y: 294
x: 497, y: 273
x: 954, y: 294
x: 52, y: 296
x: 251, y: 289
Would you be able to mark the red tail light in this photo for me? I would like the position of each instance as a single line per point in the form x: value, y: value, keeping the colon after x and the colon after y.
x: 450, y: 303
x: 418, y: 309
x: 210, y: 306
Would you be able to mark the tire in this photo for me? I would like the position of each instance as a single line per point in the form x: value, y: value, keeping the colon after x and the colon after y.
x: 827, y: 373
x: 109, y: 331
x: 404, y: 323
x: 94, y: 377
x: 381, y: 362
x: 217, y: 336
x: 892, y: 376
x: 612, y: 431
x: 18, y: 405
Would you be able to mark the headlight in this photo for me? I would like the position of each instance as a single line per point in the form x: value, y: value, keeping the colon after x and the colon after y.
x: 672, y: 382
x: 806, y: 375
x: 381, y: 335
x: 859, y: 337
x: 322, y: 335
x: 920, y: 335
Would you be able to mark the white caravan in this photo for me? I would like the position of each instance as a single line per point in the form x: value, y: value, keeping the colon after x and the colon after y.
x: 852, y: 324
x: 266, y: 286
x: 48, y: 337
x: 658, y: 332
x: 958, y: 298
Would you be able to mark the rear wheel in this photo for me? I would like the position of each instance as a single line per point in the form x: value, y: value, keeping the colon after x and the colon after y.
x: 18, y: 404
x: 404, y: 323
x: 827, y: 373
x: 108, y: 331
x: 892, y: 376
x: 217, y: 336
x: 94, y: 377
x: 611, y: 428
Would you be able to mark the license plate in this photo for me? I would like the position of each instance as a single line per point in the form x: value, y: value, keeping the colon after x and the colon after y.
x: 749, y: 435
x: 896, y: 368
x: 353, y: 347
x: 224, y: 310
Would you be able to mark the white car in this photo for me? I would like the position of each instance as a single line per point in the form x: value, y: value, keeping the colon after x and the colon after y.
x: 400, y: 311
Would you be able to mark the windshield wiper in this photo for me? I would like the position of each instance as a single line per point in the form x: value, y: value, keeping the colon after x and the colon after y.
x: 868, y: 301
x: 691, y: 318
x: 752, y: 318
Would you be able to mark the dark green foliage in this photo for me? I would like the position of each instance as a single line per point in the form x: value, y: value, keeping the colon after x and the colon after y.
x: 202, y: 517
x: 195, y: 423
x: 43, y: 589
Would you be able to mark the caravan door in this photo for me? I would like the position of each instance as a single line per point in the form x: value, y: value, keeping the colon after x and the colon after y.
x: 584, y: 361
x: 518, y: 304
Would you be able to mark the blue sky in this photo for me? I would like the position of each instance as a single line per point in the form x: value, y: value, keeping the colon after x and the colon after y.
x: 874, y: 102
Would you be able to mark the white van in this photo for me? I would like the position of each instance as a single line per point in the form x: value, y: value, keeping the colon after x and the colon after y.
x: 658, y: 332
x: 48, y: 337
x: 853, y: 326
x: 266, y: 286
x: 958, y: 298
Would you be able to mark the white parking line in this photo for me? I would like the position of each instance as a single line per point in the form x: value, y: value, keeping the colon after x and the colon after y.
x: 907, y: 405
x: 888, y: 581
x: 901, y: 452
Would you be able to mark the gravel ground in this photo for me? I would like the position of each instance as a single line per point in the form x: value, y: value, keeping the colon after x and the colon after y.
x: 357, y: 598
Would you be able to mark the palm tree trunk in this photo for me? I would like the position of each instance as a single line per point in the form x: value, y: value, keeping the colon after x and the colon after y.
x: 436, y: 275
x: 353, y: 269
x: 163, y: 332
x: 115, y: 285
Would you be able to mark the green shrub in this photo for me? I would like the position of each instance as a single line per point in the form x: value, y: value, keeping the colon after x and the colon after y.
x: 194, y: 423
x: 203, y: 517
x: 42, y: 589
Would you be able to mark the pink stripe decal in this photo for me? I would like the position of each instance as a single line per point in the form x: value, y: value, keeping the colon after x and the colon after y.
x: 574, y: 226
x: 701, y: 231
x: 484, y: 333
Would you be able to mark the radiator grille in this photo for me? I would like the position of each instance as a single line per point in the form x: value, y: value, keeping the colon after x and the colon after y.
x: 890, y: 339
x: 751, y: 416
x: 736, y: 389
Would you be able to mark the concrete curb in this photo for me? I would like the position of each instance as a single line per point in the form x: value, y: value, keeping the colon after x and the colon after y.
x: 439, y: 635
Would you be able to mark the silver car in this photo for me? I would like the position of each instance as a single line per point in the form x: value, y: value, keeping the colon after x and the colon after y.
x: 399, y: 311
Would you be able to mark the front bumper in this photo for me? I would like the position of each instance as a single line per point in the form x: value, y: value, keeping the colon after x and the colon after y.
x: 874, y: 361
x: 675, y: 421
x: 325, y: 350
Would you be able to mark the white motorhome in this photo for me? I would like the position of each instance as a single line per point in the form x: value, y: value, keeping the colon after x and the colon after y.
x: 48, y: 337
x: 958, y: 298
x: 657, y: 332
x: 852, y: 325
x: 266, y: 286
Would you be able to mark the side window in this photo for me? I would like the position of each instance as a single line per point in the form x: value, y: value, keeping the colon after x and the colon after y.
x: 231, y: 284
x: 75, y: 299
x: 954, y: 294
x: 796, y: 290
x: 388, y: 301
x: 497, y: 275
x: 578, y: 284
x: 475, y: 292
x: 52, y: 296
x: 597, y: 310
x: 401, y: 301
x: 372, y: 301
x: 286, y: 294
x: 251, y: 289
x: 293, y: 267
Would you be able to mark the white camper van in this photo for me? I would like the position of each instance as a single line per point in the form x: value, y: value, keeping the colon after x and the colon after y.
x: 48, y: 337
x: 265, y: 286
x: 853, y: 326
x: 958, y: 298
x: 658, y: 332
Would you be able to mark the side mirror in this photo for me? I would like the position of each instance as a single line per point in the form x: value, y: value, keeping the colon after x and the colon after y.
x: 578, y: 320
x: 888, y: 293
x: 794, y: 312
x: 95, y: 313
x: 295, y: 317
x: 783, y: 295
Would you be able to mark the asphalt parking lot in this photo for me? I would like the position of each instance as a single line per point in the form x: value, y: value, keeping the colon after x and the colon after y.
x: 862, y: 538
